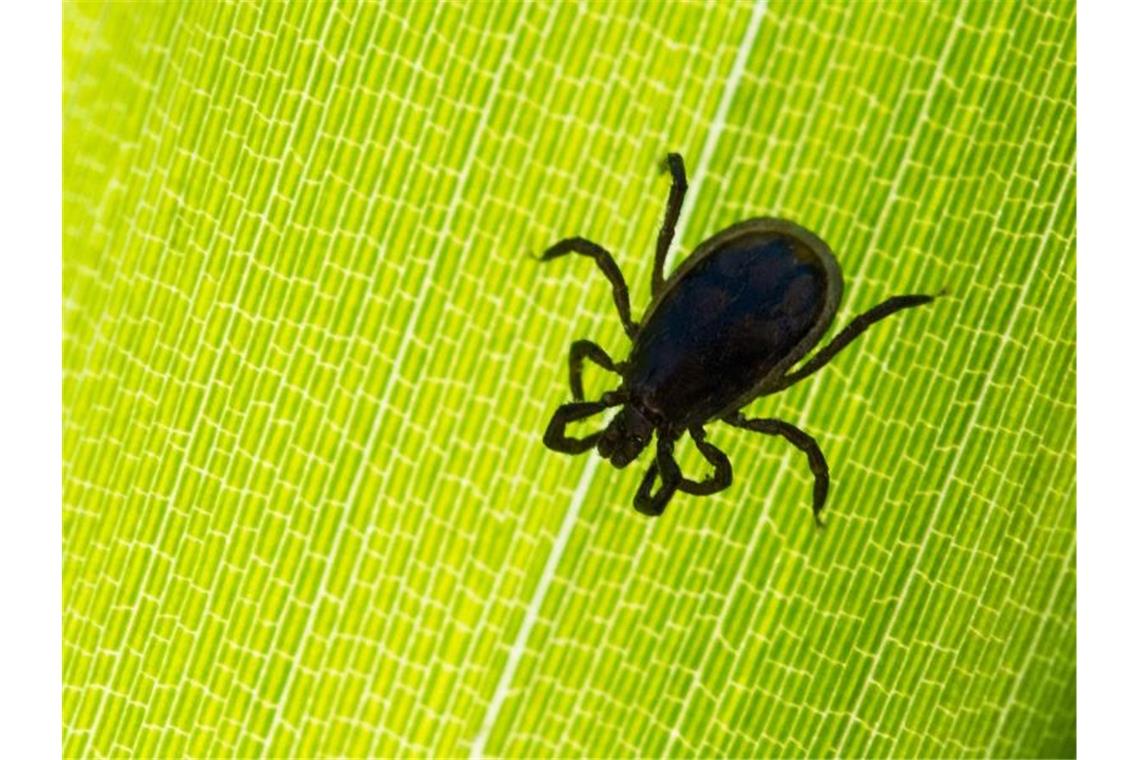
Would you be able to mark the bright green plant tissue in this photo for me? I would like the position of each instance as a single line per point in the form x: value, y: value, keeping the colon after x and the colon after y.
x: 309, y: 356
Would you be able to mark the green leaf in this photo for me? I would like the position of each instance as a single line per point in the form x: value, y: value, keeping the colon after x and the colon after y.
x: 309, y: 357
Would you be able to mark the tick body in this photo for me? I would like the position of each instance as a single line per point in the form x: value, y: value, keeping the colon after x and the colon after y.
x: 725, y: 328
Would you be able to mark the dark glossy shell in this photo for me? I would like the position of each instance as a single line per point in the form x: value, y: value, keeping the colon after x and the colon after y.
x: 745, y: 306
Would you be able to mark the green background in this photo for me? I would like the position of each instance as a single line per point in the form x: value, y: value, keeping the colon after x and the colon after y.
x: 308, y: 359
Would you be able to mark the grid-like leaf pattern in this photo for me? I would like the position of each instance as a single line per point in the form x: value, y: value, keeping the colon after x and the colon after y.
x: 309, y: 356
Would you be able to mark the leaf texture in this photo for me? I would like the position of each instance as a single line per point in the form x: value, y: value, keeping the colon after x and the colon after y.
x: 309, y: 356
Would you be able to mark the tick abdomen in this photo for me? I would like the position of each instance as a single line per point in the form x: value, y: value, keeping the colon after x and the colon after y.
x: 725, y: 323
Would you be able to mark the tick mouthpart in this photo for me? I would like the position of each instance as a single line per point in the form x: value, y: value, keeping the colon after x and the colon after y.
x: 624, y: 438
x: 616, y: 448
x: 621, y: 458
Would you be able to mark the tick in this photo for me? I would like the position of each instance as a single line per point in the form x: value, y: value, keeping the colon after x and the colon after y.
x: 724, y: 329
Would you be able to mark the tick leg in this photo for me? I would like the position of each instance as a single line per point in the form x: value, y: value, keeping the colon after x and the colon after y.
x: 675, y: 166
x: 555, y: 437
x: 722, y: 468
x: 673, y: 480
x: 801, y: 441
x: 857, y: 327
x: 653, y: 504
x: 580, y: 350
x: 609, y: 268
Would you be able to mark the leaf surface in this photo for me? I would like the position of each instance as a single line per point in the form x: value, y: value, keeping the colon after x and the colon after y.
x: 309, y: 357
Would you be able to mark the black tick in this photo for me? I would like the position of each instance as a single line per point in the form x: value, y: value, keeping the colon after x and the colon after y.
x: 723, y: 330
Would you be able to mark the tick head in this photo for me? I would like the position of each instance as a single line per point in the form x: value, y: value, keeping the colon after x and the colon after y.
x: 624, y: 438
